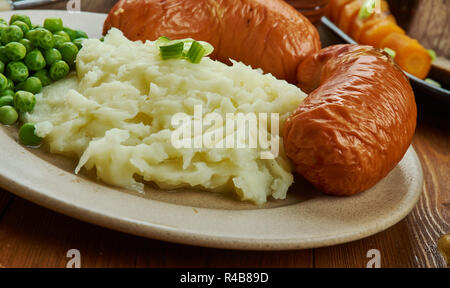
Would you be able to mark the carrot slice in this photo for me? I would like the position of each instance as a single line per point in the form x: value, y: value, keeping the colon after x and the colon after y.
x: 384, y: 6
x: 328, y: 10
x: 411, y: 56
x: 335, y: 9
x: 348, y: 14
x: 375, y: 34
x: 361, y: 25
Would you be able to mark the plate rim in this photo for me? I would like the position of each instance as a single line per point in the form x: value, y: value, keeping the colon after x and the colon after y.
x: 161, y: 232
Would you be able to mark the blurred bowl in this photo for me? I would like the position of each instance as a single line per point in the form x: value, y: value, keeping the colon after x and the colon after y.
x: 331, y: 34
x: 312, y: 9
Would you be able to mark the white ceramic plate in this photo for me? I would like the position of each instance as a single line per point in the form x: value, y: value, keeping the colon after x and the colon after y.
x: 306, y: 219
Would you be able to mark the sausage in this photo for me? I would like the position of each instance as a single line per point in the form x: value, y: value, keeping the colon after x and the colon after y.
x: 360, y: 117
x: 356, y: 124
x: 266, y: 34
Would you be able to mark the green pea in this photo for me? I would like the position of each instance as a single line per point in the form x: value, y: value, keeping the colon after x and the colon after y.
x: 53, y: 24
x: 80, y: 34
x: 79, y: 43
x: 6, y: 100
x: 2, y: 67
x: 27, y: 43
x: 21, y: 17
x: 33, y: 85
x: 63, y: 34
x: 12, y: 34
x: 27, y: 135
x: 15, y: 51
x: 7, y: 92
x: 22, y: 25
x: 51, y: 56
x: 3, y: 21
x: 71, y: 33
x: 3, y: 29
x: 3, y: 82
x: 35, y: 60
x: 10, y: 85
x: 24, y: 101
x: 41, y: 37
x: 69, y: 52
x: 19, y: 86
x: 3, y: 56
x: 59, y: 41
x: 44, y: 76
x: 17, y: 71
x: 59, y: 70
x: 8, y: 115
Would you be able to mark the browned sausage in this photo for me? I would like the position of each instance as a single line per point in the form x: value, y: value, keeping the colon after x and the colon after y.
x: 357, y: 123
x: 350, y: 132
x: 266, y: 34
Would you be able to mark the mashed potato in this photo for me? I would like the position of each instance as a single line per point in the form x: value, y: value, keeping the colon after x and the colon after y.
x: 115, y: 115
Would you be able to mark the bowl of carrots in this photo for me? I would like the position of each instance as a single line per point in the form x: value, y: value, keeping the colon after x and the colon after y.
x: 372, y: 22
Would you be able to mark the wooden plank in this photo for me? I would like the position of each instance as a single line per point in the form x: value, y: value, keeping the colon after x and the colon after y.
x: 431, y: 217
x: 394, y: 244
x: 431, y: 27
x: 5, y: 198
x: 32, y: 236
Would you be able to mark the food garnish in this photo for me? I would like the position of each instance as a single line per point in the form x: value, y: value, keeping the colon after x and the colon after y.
x: 432, y: 54
x: 367, y: 9
x: 391, y: 52
x: 433, y: 82
x: 188, y: 49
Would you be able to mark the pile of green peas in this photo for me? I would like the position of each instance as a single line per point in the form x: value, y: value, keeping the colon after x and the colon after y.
x: 32, y: 57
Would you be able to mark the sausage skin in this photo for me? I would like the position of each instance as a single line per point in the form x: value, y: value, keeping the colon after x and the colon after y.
x: 360, y: 117
x: 356, y: 124
x: 266, y: 34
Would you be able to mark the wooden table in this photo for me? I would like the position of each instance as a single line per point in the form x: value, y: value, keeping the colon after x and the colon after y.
x: 32, y: 236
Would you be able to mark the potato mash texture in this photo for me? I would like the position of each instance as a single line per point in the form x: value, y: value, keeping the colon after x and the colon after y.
x: 115, y: 116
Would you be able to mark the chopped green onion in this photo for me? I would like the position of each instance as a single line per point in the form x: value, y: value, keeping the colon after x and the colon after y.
x: 391, y: 52
x: 196, y: 52
x: 208, y: 47
x: 172, y: 50
x: 432, y: 54
x: 367, y: 9
x: 432, y: 82
x: 191, y: 49
x: 162, y: 40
